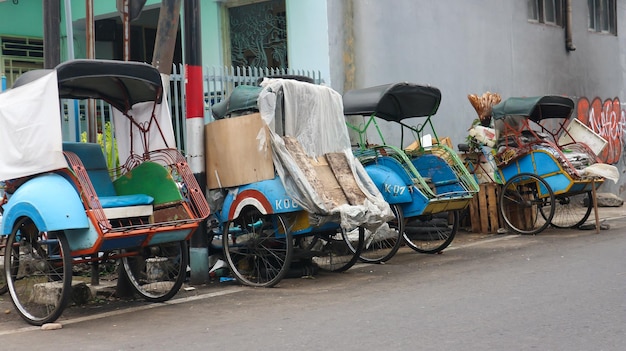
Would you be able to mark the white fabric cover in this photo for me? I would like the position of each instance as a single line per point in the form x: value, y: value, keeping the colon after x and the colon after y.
x: 142, y: 113
x: 314, y: 116
x: 602, y: 170
x: 30, y: 129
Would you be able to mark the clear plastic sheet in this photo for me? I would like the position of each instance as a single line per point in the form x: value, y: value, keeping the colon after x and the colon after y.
x: 313, y: 114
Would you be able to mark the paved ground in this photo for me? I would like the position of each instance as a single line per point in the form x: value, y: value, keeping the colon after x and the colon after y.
x: 613, y: 218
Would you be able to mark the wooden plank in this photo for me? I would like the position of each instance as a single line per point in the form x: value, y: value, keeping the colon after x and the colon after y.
x: 492, y: 199
x: 475, y: 214
x: 343, y: 173
x: 484, y: 214
x: 317, y: 173
x: 331, y: 187
x: 482, y: 207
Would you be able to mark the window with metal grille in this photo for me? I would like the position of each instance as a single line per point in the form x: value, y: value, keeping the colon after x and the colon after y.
x: 603, y: 16
x: 19, y: 55
x: 546, y: 12
x: 258, y: 33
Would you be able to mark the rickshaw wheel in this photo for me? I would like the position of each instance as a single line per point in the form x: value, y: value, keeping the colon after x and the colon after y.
x: 431, y: 234
x: 38, y: 272
x: 258, y: 248
x: 335, y: 251
x: 569, y: 211
x: 521, y: 204
x: 3, y: 280
x: 158, y: 272
x: 382, y: 245
x: 4, y: 287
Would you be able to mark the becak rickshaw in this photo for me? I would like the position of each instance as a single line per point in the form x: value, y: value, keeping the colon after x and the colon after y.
x: 549, y: 173
x: 426, y: 185
x: 315, y: 206
x: 63, y: 205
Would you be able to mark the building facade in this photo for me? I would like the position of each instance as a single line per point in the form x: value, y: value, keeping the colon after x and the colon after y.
x: 510, y: 47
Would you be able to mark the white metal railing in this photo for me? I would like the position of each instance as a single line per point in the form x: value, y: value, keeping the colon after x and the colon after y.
x: 219, y: 83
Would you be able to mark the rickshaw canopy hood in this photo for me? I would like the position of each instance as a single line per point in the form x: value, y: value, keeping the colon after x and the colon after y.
x: 31, y: 137
x: 535, y: 108
x: 122, y: 84
x: 393, y: 102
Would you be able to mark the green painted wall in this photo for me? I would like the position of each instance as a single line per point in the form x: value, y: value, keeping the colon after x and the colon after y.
x: 308, y: 47
x: 24, y: 19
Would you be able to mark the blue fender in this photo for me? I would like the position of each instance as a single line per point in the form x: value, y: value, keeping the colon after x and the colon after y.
x: 50, y: 200
x: 268, y: 196
x: 395, y: 188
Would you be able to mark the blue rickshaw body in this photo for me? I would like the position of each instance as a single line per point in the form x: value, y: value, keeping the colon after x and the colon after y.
x: 393, y: 185
x: 268, y: 196
x: 60, y: 209
x: 396, y: 186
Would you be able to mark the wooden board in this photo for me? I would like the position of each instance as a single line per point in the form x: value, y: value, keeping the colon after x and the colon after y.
x: 484, y: 214
x: 343, y: 173
x: 330, y: 176
x: 310, y: 172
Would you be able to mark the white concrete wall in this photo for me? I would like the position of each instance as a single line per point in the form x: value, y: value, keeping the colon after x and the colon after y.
x: 307, y: 36
x: 469, y: 47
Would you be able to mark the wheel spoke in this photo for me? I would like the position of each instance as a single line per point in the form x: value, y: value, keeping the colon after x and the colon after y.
x: 38, y: 272
x: 382, y: 245
x: 336, y: 251
x: 521, y: 203
x: 570, y: 211
x: 258, y: 248
x: 431, y: 234
x: 158, y: 271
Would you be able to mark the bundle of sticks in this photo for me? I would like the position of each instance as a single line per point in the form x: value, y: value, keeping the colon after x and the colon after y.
x: 483, y: 105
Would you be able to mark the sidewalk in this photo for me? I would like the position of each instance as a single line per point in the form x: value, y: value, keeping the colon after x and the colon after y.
x: 608, y: 218
x: 609, y: 212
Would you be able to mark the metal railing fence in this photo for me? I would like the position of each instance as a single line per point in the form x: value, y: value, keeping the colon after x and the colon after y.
x: 219, y: 83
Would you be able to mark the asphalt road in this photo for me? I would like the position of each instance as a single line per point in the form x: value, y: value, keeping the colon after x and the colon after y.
x: 560, y: 290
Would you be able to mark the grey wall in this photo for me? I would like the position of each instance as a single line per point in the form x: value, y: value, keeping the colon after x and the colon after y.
x: 470, y: 47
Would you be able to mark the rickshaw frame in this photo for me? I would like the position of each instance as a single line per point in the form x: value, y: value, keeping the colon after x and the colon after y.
x: 530, y: 160
x: 78, y: 214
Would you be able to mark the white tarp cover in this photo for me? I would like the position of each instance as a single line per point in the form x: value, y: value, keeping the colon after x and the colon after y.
x: 602, y: 170
x: 314, y: 116
x: 30, y: 129
x: 160, y: 133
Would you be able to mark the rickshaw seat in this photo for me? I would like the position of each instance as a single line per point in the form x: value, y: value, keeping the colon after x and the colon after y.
x: 152, y: 179
x: 94, y: 162
x: 437, y: 169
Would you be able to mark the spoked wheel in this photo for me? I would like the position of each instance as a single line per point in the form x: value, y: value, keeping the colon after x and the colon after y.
x: 336, y: 251
x: 522, y: 198
x: 3, y: 280
x: 157, y: 272
x: 569, y: 211
x: 382, y: 245
x: 431, y: 233
x: 38, y: 269
x: 258, y: 248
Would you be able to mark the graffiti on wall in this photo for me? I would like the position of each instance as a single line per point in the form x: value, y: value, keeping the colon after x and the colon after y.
x: 608, y: 120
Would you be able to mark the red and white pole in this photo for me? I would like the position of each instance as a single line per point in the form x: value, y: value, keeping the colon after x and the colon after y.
x: 199, y: 255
